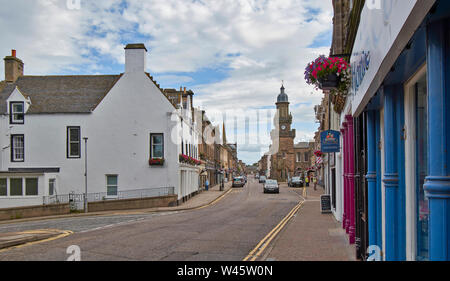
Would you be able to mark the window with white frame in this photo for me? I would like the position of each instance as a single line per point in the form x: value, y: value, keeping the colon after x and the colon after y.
x: 73, y: 142
x: 51, y: 186
x: 17, y: 148
x: 16, y: 187
x: 16, y: 113
x: 157, y: 146
x: 31, y: 187
x: 112, y: 185
x: 3, y: 187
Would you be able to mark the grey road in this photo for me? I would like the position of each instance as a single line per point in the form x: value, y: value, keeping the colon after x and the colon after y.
x: 226, y: 231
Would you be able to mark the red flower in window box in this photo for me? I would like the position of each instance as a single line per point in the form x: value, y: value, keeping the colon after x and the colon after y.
x: 156, y: 162
x: 189, y: 160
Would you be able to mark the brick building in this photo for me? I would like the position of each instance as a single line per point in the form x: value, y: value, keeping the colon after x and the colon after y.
x: 303, y: 153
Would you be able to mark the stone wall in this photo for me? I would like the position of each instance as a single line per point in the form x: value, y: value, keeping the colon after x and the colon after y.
x: 34, y: 211
x: 130, y: 204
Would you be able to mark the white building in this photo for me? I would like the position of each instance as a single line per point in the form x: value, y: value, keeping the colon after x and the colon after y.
x: 127, y: 119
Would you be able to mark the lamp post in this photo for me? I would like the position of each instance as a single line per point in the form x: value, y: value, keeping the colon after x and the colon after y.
x: 85, y: 176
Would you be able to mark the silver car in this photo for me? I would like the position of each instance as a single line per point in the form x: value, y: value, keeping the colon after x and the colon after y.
x: 271, y: 186
x: 262, y: 179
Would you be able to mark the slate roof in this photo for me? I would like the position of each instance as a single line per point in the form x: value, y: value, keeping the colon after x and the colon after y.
x: 60, y: 94
x: 282, y: 97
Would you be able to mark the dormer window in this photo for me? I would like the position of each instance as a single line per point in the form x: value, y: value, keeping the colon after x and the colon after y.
x: 16, y: 113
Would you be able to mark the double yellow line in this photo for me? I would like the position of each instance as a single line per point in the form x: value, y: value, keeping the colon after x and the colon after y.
x: 62, y: 234
x: 259, y: 249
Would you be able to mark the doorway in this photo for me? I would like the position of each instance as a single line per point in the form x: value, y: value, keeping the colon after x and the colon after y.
x: 361, y: 187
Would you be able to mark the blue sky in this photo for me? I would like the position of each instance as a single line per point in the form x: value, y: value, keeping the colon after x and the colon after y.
x: 232, y: 53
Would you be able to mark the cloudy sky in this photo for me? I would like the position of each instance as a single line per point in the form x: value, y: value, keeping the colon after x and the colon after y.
x: 232, y: 53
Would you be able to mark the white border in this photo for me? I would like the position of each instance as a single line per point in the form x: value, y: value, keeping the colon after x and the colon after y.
x: 410, y: 164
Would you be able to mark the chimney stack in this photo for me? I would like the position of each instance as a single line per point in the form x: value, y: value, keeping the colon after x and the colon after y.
x: 135, y: 58
x: 13, y: 67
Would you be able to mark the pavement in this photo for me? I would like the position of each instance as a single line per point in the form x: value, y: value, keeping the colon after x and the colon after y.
x: 311, y: 235
x: 14, y: 239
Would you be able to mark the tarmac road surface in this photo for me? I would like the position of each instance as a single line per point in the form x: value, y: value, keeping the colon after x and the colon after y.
x: 226, y: 231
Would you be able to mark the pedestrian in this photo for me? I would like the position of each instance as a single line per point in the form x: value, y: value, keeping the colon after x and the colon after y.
x: 207, y: 185
x: 315, y: 183
x: 307, y: 181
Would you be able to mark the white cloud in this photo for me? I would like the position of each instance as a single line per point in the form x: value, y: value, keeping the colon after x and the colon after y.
x: 268, y: 39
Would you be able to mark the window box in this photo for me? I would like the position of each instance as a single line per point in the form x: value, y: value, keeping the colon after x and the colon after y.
x: 156, y: 162
x: 189, y: 160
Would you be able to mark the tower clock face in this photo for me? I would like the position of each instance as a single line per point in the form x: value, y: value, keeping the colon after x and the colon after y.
x: 283, y: 127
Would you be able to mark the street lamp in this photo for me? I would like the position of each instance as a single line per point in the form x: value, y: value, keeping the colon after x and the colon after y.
x: 85, y: 176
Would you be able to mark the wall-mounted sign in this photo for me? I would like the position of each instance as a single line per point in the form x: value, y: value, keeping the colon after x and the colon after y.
x: 330, y: 141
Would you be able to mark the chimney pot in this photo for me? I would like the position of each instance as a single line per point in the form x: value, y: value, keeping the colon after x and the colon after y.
x: 135, y: 58
x: 13, y: 67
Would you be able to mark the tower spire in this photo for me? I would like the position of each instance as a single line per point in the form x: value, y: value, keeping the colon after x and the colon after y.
x: 224, y: 134
x: 282, y: 97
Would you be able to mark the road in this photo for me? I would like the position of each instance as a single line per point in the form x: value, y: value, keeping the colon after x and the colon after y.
x: 226, y: 231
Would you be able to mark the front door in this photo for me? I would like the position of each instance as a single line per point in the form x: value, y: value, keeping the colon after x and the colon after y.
x: 362, y: 241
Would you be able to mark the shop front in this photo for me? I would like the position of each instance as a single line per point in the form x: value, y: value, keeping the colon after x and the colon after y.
x: 400, y: 100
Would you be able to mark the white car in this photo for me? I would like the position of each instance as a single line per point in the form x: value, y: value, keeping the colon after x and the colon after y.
x: 271, y: 186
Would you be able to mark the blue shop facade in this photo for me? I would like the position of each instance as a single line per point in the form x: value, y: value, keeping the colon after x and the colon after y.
x: 400, y: 99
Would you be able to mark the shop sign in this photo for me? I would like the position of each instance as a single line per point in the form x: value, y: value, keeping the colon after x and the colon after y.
x: 381, y: 24
x: 330, y: 141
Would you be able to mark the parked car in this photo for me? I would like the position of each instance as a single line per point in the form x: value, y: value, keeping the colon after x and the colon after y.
x: 271, y: 186
x: 238, y: 182
x: 262, y: 179
x: 295, y: 182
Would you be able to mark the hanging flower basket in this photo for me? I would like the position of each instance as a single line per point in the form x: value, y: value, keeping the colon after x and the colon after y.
x: 329, y: 82
x: 156, y: 162
x: 318, y: 153
x: 331, y: 74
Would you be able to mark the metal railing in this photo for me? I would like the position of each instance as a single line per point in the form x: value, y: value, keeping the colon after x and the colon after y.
x: 132, y: 194
x: 75, y: 199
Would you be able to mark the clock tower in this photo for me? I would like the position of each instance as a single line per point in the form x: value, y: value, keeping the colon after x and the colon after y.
x: 284, y: 157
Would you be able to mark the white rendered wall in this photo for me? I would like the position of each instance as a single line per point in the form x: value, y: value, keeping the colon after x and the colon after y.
x: 119, y: 140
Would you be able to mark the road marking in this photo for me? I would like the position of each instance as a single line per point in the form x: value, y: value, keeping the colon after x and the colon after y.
x: 64, y: 233
x: 262, y: 245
